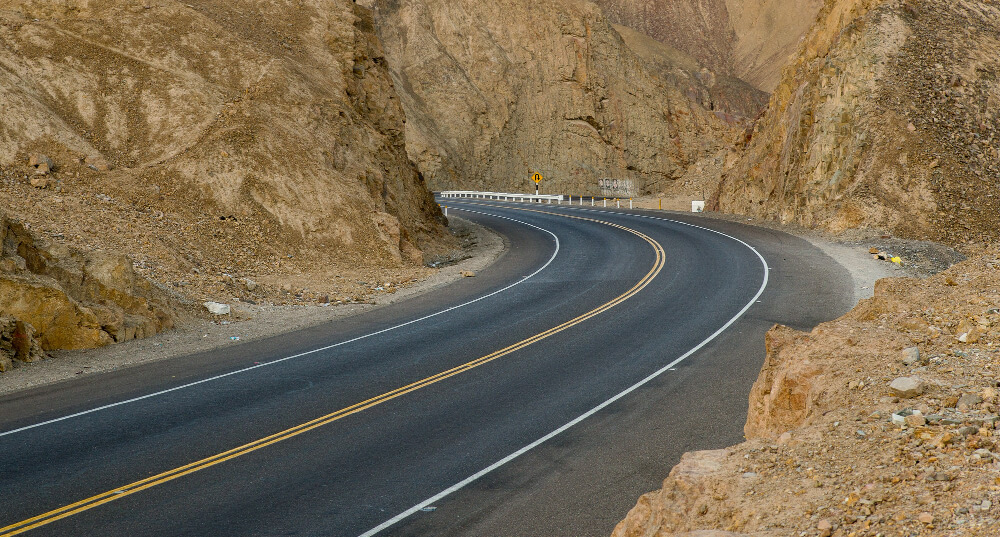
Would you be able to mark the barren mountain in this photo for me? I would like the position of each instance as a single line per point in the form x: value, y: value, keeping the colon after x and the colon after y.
x: 494, y: 92
x: 887, y: 119
x: 731, y: 98
x: 747, y: 39
x: 229, y: 148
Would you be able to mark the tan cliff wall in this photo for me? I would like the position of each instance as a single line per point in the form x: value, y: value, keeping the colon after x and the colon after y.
x: 887, y: 120
x: 747, y: 39
x: 212, y: 142
x: 494, y: 92
x: 730, y: 98
x: 280, y: 113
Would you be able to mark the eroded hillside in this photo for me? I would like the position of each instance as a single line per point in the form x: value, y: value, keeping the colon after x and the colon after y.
x: 751, y: 40
x: 887, y: 119
x: 494, y: 92
x: 231, y: 149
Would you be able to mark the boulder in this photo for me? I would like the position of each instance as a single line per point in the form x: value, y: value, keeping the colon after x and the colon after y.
x: 217, y: 308
x: 911, y: 356
x: 38, y: 160
x: 907, y: 387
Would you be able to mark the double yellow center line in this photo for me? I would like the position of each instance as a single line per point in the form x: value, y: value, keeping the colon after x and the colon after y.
x: 170, y: 475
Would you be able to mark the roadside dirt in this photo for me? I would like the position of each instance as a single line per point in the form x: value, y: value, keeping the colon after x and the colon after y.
x: 479, y: 248
x: 838, y: 444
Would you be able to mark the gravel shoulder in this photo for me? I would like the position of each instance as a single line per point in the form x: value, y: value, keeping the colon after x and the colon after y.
x: 853, y: 251
x: 480, y: 248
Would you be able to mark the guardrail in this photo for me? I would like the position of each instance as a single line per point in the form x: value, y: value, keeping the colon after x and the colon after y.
x: 504, y: 196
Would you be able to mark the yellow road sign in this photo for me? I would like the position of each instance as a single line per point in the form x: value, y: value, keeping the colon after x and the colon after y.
x: 537, y: 178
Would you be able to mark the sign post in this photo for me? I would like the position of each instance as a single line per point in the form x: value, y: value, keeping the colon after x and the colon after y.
x: 537, y: 178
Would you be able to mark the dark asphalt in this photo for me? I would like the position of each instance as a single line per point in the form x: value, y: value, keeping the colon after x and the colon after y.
x: 349, y: 476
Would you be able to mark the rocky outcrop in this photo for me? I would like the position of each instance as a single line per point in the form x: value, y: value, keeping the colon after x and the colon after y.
x: 494, y: 92
x: 751, y: 40
x: 256, y: 134
x: 17, y: 343
x: 732, y: 99
x: 53, y: 297
x: 885, y: 421
x: 886, y: 119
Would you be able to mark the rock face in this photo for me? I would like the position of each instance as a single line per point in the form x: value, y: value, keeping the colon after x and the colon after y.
x: 886, y: 119
x: 831, y: 449
x: 279, y: 116
x: 17, y: 343
x: 496, y: 91
x: 747, y: 39
x: 730, y: 98
x: 67, y: 299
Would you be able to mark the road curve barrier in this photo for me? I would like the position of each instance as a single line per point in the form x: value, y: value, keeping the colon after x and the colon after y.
x: 504, y: 196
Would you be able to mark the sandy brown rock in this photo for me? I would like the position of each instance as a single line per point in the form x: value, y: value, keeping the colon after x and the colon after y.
x: 886, y: 119
x: 208, y: 138
x: 824, y: 455
x: 751, y: 40
x: 73, y: 299
x: 730, y: 98
x: 496, y: 91
x: 17, y: 343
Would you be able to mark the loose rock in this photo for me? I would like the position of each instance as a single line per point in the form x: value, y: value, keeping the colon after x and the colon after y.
x: 907, y: 387
x: 911, y: 356
x: 217, y: 308
x: 968, y: 401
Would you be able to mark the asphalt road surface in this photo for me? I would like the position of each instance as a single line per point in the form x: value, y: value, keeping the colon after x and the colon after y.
x: 540, y: 398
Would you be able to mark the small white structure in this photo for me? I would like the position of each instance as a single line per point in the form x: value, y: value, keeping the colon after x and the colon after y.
x: 697, y: 206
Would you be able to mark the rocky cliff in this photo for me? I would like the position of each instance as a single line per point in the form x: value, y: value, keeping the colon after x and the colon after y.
x: 496, y: 91
x: 209, y: 140
x: 751, y: 40
x: 56, y: 297
x: 883, y: 422
x: 886, y: 119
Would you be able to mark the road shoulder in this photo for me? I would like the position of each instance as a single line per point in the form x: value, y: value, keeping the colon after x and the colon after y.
x: 246, y: 323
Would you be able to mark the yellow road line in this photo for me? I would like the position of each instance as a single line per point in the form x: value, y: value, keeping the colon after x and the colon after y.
x: 170, y: 475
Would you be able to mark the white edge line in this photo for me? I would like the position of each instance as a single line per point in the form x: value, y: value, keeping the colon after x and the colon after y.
x: 321, y: 349
x: 596, y: 409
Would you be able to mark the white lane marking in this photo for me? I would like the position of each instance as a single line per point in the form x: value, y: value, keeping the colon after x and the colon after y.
x: 321, y: 349
x: 596, y: 409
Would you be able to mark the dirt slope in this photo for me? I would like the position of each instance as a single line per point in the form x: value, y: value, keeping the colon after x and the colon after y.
x: 231, y: 149
x: 887, y: 119
x: 824, y: 454
x: 731, y: 98
x: 495, y: 91
x: 751, y: 40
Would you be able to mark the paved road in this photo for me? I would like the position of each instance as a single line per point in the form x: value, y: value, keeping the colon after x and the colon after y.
x: 338, y: 429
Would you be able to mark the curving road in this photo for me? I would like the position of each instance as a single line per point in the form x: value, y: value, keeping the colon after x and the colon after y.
x: 447, y: 414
